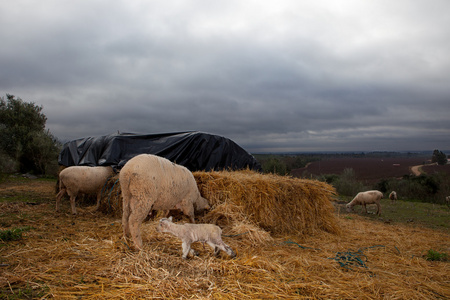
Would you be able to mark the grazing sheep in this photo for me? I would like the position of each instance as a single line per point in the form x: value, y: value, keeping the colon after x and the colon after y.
x: 190, y: 233
x: 447, y: 200
x: 393, y: 196
x: 150, y: 182
x: 81, y: 179
x: 368, y: 197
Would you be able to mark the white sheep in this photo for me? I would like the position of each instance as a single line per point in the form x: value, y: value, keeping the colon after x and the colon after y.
x: 190, y: 233
x: 368, y: 197
x: 393, y: 196
x: 82, y: 180
x: 150, y: 182
x: 447, y: 200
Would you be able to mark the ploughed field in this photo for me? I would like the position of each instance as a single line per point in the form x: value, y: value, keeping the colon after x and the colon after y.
x: 369, y: 169
x: 62, y: 256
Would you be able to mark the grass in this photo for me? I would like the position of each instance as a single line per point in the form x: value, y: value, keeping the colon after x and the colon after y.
x: 12, y: 234
x: 431, y: 215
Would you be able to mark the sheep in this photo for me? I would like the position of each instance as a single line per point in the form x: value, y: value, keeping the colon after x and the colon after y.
x: 447, y: 200
x: 150, y: 182
x: 190, y: 233
x: 82, y: 179
x: 393, y: 196
x: 368, y: 197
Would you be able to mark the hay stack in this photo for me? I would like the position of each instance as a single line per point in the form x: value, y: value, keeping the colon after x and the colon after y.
x: 277, y: 204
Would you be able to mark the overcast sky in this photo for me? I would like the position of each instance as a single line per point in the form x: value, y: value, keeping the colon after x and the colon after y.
x: 271, y: 75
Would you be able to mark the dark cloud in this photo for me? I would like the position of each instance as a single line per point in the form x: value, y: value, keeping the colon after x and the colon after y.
x: 288, y: 76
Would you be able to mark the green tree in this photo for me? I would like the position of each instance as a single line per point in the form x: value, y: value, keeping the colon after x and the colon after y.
x: 439, y: 157
x: 275, y: 165
x: 23, y: 137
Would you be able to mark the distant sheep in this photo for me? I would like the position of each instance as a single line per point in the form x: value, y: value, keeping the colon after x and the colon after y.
x: 190, y: 233
x: 447, y: 200
x: 368, y: 197
x: 82, y: 180
x: 150, y: 182
x: 393, y: 196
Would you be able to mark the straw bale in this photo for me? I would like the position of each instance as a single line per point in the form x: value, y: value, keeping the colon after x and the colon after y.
x: 276, y: 204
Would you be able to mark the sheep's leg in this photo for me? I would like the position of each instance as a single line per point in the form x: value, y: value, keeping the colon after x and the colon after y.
x: 58, y: 198
x: 99, y: 197
x: 365, y: 208
x: 188, y: 210
x: 135, y: 220
x: 378, y: 208
x: 72, y: 204
x: 186, y: 246
x: 125, y: 217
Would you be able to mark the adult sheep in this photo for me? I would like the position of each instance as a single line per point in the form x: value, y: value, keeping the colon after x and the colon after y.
x: 393, y: 196
x: 368, y: 197
x: 82, y: 180
x: 150, y: 182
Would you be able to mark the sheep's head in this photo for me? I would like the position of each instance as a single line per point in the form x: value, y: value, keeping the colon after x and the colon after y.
x: 349, y: 207
x: 201, y: 204
x: 164, y: 224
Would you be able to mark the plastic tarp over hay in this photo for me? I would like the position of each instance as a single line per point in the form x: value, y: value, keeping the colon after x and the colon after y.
x: 195, y: 150
x: 242, y: 200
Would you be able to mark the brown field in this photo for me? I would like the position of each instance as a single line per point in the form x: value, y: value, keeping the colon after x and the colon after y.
x: 367, y: 169
x: 436, y: 169
x: 84, y: 257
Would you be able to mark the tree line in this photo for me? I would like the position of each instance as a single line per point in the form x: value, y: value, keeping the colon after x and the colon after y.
x: 25, y: 144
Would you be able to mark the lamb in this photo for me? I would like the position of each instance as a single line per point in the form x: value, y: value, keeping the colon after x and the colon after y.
x: 190, y: 233
x: 368, y: 197
x: 82, y: 179
x: 149, y: 182
x: 393, y: 196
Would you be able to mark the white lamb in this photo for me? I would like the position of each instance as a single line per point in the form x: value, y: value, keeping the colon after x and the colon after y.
x: 368, y: 197
x: 150, y: 182
x: 82, y: 180
x: 393, y: 196
x: 190, y: 233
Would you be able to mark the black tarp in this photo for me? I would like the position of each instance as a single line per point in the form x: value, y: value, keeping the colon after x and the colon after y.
x: 195, y: 150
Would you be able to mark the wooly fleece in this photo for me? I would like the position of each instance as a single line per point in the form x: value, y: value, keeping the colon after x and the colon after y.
x: 190, y: 233
x: 150, y: 182
x: 368, y: 197
x: 82, y: 180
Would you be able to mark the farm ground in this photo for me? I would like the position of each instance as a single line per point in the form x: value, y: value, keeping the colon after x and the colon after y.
x: 367, y: 169
x: 84, y: 257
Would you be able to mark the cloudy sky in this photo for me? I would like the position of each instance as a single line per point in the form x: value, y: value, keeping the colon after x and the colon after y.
x: 323, y: 75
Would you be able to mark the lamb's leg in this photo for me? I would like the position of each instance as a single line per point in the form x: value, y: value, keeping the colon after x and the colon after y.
x: 186, y: 246
x: 222, y: 246
x: 365, y: 208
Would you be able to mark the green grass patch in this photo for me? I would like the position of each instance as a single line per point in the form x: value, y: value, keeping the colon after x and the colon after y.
x: 436, y: 256
x: 431, y: 215
x: 13, y: 234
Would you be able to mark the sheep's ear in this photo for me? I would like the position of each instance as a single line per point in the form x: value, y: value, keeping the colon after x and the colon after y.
x: 170, y: 218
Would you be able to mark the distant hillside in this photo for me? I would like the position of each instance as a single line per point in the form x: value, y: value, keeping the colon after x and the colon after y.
x: 370, y: 169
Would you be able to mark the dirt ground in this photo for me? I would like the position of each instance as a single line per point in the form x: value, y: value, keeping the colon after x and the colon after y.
x: 84, y: 257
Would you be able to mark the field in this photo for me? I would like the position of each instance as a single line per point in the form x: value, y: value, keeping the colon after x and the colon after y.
x: 369, y: 169
x: 84, y: 257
